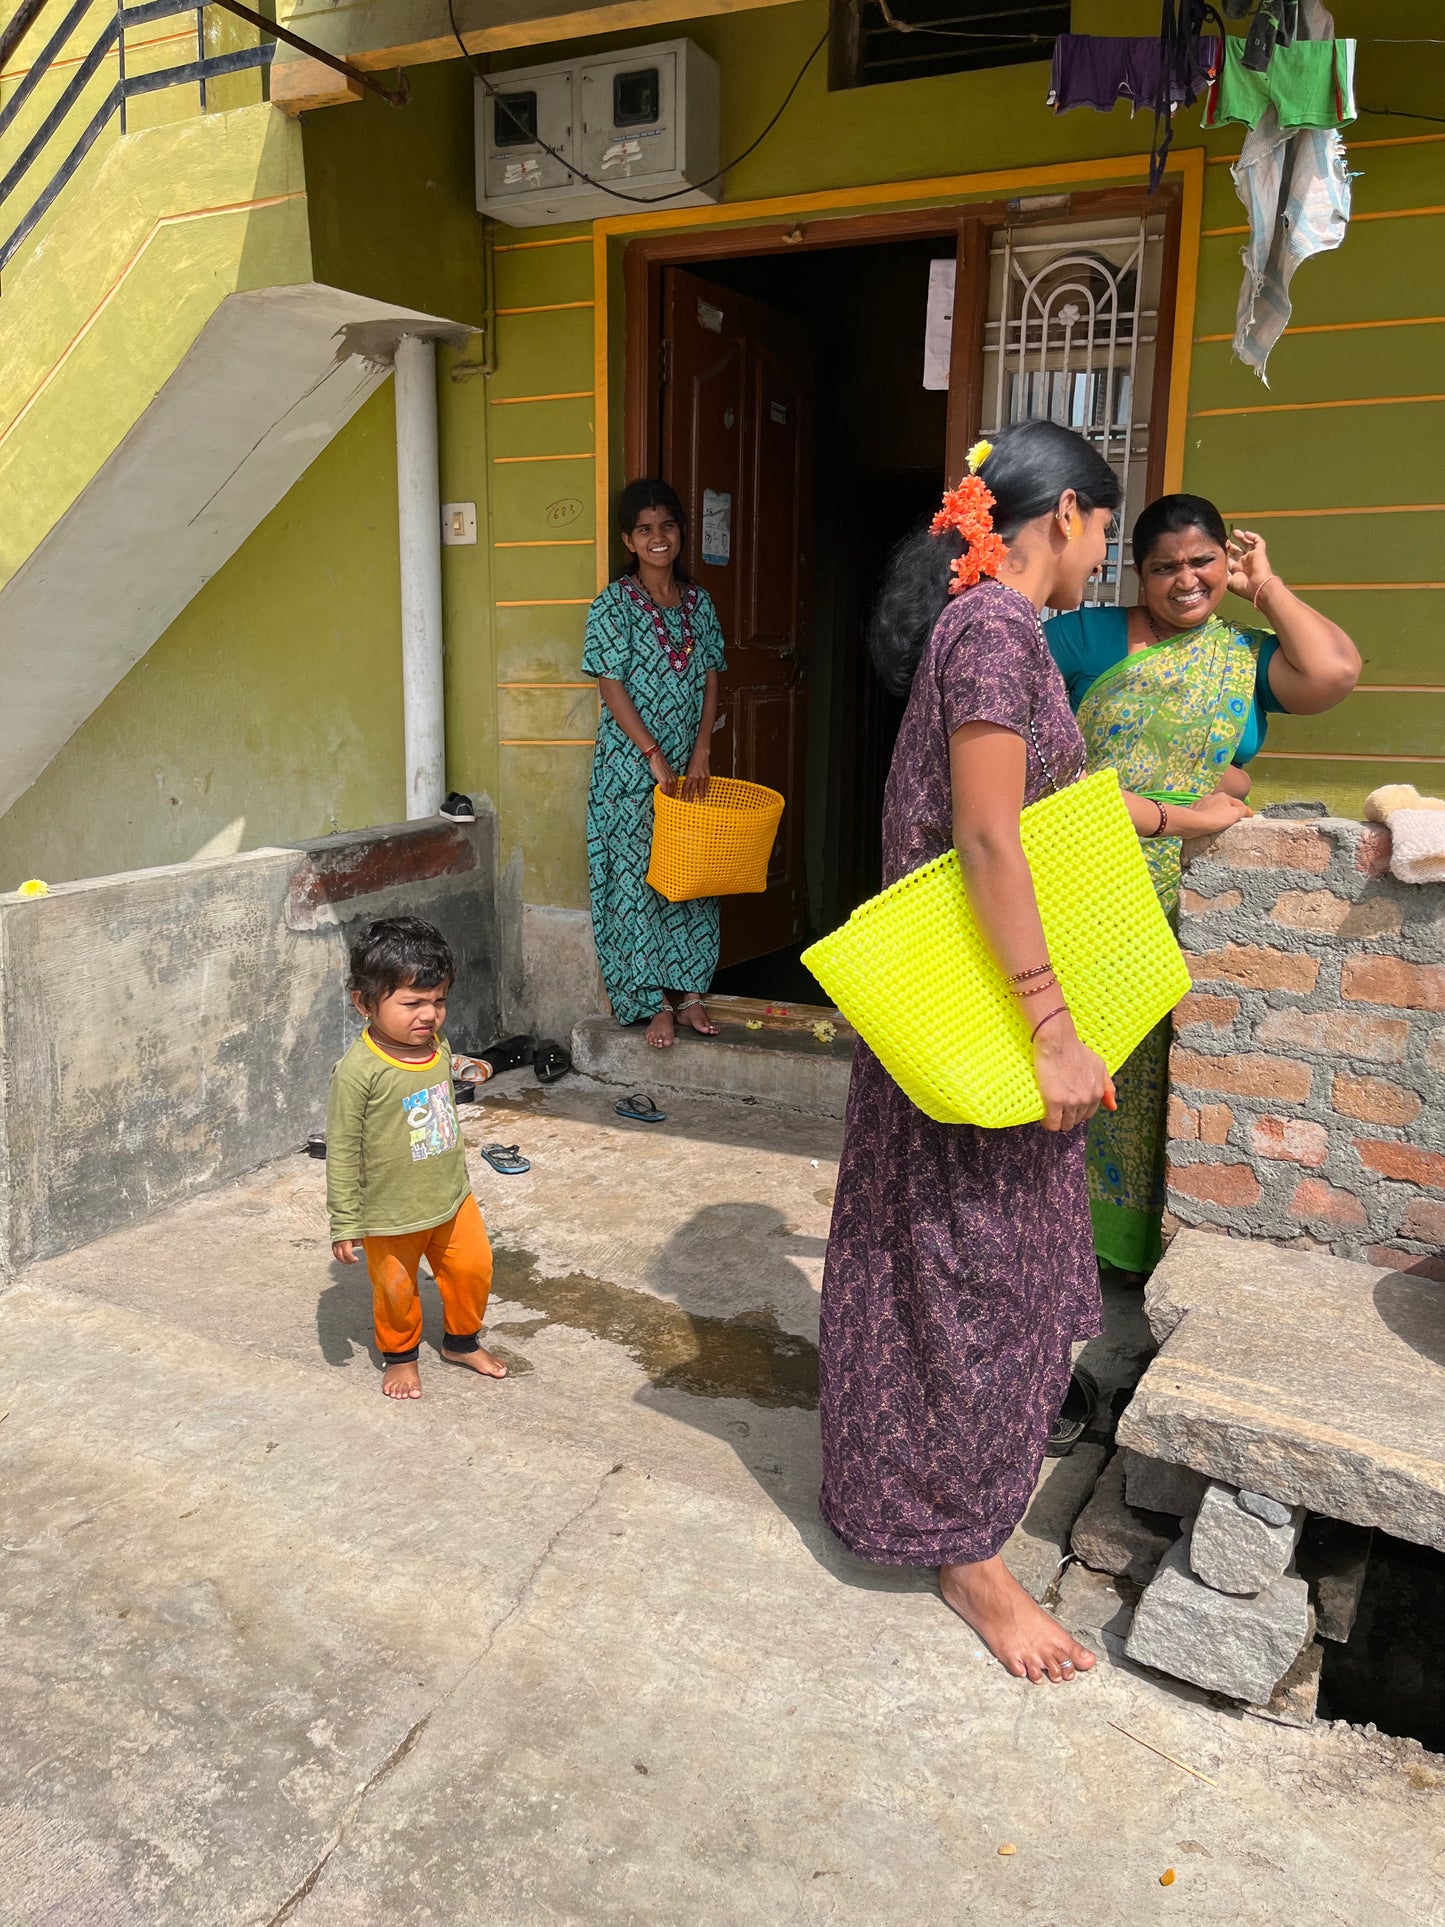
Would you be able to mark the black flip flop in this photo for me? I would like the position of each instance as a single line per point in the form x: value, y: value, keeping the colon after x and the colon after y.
x: 551, y: 1062
x: 507, y: 1055
x: 1081, y: 1403
x: 506, y: 1159
x: 641, y: 1109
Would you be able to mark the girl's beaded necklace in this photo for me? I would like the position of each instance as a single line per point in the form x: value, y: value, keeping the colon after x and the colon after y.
x: 679, y: 654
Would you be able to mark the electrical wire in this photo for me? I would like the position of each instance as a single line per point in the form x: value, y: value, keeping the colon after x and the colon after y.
x: 643, y: 200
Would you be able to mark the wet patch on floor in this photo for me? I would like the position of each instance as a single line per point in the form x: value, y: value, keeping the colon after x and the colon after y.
x: 746, y: 1356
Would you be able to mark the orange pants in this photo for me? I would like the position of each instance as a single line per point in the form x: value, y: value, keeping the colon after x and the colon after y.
x: 461, y: 1262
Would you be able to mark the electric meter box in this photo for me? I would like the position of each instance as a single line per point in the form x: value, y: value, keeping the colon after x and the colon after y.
x: 643, y: 121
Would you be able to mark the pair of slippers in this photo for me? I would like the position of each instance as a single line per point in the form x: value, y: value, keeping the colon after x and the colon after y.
x: 550, y: 1061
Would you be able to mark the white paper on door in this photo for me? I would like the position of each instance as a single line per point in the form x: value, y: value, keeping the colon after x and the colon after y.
x: 717, y: 528
x: 938, y: 328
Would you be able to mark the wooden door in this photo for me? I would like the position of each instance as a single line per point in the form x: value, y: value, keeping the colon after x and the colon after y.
x: 737, y: 429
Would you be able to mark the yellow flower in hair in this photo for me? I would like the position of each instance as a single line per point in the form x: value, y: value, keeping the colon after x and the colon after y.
x: 978, y: 455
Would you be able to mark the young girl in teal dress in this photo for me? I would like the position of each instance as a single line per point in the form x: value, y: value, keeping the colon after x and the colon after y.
x: 1176, y: 699
x: 655, y: 647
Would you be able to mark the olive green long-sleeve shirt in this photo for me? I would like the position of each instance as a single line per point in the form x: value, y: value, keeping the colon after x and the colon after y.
x: 394, y: 1156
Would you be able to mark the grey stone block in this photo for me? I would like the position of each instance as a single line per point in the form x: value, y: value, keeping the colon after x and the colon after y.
x: 1307, y: 1377
x: 1270, y: 1510
x: 1157, y: 1486
x: 1236, y: 1551
x: 1241, y: 1647
x: 1333, y: 1559
x: 1112, y: 1536
x: 1096, y: 1607
x: 1294, y: 1701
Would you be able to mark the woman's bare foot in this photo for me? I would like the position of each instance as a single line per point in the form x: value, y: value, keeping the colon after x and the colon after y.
x: 1017, y: 1631
x: 692, y: 1011
x: 661, y: 1032
x: 402, y: 1381
x: 478, y: 1361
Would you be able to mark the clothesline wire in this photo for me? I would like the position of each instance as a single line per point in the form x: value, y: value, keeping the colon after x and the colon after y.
x: 1043, y: 39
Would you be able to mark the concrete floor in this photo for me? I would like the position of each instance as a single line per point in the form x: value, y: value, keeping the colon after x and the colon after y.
x: 573, y: 1648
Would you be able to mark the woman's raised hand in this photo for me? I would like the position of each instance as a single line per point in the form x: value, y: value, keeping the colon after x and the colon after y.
x: 1073, y: 1080
x: 1249, y: 566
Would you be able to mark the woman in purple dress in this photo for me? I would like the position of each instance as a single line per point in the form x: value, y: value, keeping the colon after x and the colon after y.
x: 961, y: 1265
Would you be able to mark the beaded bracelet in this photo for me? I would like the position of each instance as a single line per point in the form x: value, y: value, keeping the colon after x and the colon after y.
x: 1022, y: 976
x: 1060, y: 1010
x: 1037, y: 990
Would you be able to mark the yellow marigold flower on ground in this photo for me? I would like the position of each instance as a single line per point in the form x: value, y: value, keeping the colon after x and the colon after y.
x: 33, y: 888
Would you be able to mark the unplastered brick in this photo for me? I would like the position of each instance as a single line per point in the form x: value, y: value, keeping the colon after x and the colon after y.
x: 1259, y: 845
x: 1311, y: 910
x: 1337, y: 1033
x: 1215, y: 1123
x: 1200, y: 1008
x: 1248, y: 1074
x: 1372, y: 852
x: 1194, y: 905
x: 1390, y: 980
x: 1292, y: 1140
x: 1183, y: 1123
x: 1407, y: 1162
x: 1418, y: 1264
x: 1374, y: 1100
x: 1256, y: 968
x: 1318, y: 1202
x: 1231, y: 1184
x: 1425, y: 1219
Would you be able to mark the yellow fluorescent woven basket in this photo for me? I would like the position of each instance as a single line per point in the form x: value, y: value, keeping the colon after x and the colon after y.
x: 718, y: 847
x: 911, y: 972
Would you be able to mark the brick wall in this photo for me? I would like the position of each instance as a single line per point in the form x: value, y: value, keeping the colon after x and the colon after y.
x: 1307, y: 1099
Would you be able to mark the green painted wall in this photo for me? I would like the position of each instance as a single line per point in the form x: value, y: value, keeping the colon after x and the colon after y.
x: 391, y: 213
x: 269, y: 710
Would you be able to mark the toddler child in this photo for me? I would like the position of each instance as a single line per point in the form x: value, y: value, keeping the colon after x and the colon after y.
x: 396, y: 1170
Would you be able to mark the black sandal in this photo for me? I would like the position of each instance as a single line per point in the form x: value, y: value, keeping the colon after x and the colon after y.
x: 1076, y: 1415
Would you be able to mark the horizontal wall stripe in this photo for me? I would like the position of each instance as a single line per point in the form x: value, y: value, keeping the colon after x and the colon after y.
x: 1381, y: 508
x: 546, y: 685
x: 1348, y: 327
x: 1398, y: 689
x: 549, y: 602
x: 1340, y: 756
x: 559, y: 742
x: 1384, y: 214
x: 585, y: 455
x: 552, y: 241
x: 1294, y: 407
x: 558, y: 542
x: 547, y: 307
x: 515, y: 401
x: 1319, y: 588
x: 1356, y: 147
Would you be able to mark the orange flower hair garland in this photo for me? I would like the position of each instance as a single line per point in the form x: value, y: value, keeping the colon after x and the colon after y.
x: 966, y: 508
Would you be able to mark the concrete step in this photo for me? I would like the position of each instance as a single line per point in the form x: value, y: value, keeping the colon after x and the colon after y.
x: 797, y: 1056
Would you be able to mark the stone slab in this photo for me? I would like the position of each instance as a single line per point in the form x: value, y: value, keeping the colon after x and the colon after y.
x: 1155, y: 1485
x: 1296, y: 1699
x: 1235, y: 1551
x: 1333, y: 1558
x: 1241, y: 1647
x: 772, y: 1065
x: 1303, y: 1376
x: 1095, y: 1607
x: 1112, y: 1536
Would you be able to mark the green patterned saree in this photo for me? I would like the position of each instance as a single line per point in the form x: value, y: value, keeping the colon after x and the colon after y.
x: 1169, y: 719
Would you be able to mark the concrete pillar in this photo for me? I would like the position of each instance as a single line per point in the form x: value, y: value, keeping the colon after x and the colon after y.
x: 419, y: 526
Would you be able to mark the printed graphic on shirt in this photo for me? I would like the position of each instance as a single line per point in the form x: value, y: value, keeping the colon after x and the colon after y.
x: 432, y: 1120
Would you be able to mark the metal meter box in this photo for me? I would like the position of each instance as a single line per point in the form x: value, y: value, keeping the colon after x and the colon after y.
x: 643, y: 121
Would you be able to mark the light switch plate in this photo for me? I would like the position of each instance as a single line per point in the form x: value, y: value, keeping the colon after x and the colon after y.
x: 459, y: 523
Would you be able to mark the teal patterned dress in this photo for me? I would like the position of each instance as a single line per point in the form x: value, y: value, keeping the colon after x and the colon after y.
x: 645, y: 944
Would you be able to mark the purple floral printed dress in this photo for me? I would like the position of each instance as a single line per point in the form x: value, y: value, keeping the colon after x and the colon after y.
x: 961, y: 1263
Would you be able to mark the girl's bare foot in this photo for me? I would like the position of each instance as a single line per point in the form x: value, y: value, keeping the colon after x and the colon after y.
x: 693, y: 1012
x: 1016, y: 1630
x: 478, y: 1361
x: 402, y: 1381
x: 661, y: 1033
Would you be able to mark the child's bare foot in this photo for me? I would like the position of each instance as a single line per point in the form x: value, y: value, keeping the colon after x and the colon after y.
x: 662, y: 1032
x: 478, y: 1361
x: 1016, y: 1630
x: 402, y: 1381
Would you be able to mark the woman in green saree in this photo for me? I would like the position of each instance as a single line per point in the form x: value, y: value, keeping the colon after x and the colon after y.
x: 1175, y: 698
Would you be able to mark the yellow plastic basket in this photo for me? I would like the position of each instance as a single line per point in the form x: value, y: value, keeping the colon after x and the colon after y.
x: 912, y: 973
x: 718, y: 847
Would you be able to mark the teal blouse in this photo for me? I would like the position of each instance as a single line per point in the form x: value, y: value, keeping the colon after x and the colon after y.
x: 1086, y: 642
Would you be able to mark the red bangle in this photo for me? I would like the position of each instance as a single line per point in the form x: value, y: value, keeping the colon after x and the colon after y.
x: 1163, y: 820
x: 1037, y: 990
x: 1060, y: 1010
x: 1022, y: 976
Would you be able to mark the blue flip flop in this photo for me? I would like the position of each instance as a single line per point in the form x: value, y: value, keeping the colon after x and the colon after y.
x: 506, y: 1159
x: 641, y: 1109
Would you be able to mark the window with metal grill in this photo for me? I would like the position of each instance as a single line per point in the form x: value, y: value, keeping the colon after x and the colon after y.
x: 878, y: 40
